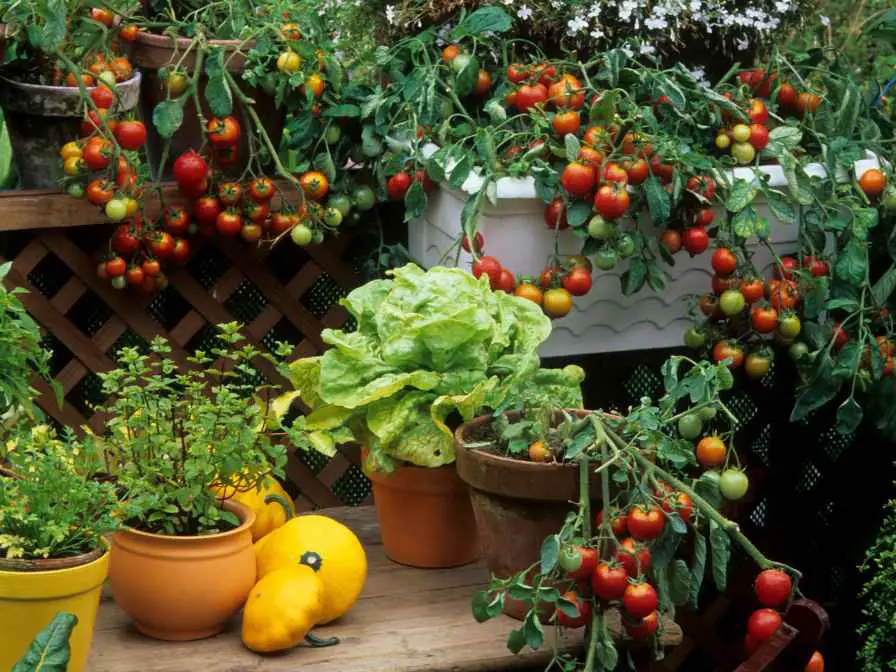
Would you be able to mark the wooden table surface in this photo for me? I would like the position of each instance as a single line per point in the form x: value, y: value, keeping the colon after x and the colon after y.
x: 407, y: 620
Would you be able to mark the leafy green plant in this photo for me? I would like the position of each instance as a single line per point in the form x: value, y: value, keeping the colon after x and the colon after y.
x: 50, y: 651
x: 660, y: 485
x: 428, y: 345
x: 878, y: 652
x: 23, y: 355
x: 50, y: 504
x: 175, y: 432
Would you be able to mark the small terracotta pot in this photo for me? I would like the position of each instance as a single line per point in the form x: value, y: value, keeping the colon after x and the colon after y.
x: 517, y: 504
x: 183, y: 588
x: 425, y: 517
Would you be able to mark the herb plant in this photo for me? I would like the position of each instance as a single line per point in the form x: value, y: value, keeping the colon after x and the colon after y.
x: 878, y: 623
x: 50, y: 505
x: 176, y: 432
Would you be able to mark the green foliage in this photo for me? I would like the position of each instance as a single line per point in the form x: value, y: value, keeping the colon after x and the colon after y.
x: 878, y: 652
x: 175, y: 432
x: 50, y: 650
x: 427, y: 345
x: 22, y: 355
x: 50, y: 505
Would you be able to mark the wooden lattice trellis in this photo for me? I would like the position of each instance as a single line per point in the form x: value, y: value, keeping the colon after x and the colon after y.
x: 284, y: 294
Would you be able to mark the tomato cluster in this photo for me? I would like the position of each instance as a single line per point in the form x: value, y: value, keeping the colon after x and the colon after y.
x: 745, y: 139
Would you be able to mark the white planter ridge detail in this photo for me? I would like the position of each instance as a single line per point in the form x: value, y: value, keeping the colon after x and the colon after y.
x: 604, y: 320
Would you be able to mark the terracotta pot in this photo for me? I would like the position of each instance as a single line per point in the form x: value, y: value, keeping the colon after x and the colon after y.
x: 517, y: 504
x: 32, y: 592
x: 42, y: 118
x: 152, y: 52
x: 183, y: 588
x: 425, y: 517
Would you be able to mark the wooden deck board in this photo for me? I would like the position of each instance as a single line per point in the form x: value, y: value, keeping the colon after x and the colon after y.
x: 407, y: 620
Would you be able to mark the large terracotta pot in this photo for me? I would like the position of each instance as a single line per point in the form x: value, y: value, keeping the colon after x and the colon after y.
x: 42, y: 118
x: 425, y: 517
x: 151, y: 52
x: 517, y: 504
x: 183, y: 588
x: 33, y: 592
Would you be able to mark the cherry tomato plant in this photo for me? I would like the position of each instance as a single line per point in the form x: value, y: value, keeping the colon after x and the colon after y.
x: 657, y: 497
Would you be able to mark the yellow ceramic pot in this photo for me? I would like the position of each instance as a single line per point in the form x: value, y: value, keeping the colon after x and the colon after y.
x: 30, y: 599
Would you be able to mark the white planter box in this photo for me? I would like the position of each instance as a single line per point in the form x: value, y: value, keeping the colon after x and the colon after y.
x: 604, y: 320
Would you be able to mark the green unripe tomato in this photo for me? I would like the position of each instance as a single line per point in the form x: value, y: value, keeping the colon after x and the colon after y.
x: 301, y: 235
x: 798, y: 350
x: 889, y: 199
x: 332, y: 217
x: 694, y: 338
x: 625, y: 245
x: 317, y: 237
x: 75, y: 190
x: 333, y: 134
x: 116, y: 209
x: 606, y: 258
x: 599, y: 228
x: 707, y: 413
x: 341, y: 202
x: 119, y: 282
x: 732, y: 302
x: 363, y: 198
x: 459, y: 62
x: 107, y: 77
x: 734, y: 484
x: 690, y: 426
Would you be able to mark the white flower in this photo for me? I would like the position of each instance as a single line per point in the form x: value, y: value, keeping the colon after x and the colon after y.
x: 825, y: 21
x: 390, y: 13
x: 647, y: 49
x: 524, y: 12
x: 507, y: 2
x: 576, y: 25
x: 743, y: 44
x: 656, y: 24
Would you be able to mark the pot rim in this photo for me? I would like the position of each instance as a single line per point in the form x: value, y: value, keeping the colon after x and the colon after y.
x: 159, y: 40
x: 134, y: 80
x: 243, y: 512
x: 50, y: 565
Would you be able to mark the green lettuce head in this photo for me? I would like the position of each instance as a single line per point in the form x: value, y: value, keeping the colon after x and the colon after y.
x: 428, y: 344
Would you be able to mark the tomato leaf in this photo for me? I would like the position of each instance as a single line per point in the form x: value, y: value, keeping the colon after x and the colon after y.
x: 670, y: 89
x: 484, y: 20
x: 680, y: 453
x: 798, y: 180
x: 742, y: 193
x: 849, y: 416
x: 567, y: 607
x: 607, y: 654
x: 707, y: 486
x: 344, y: 110
x: 745, y: 223
x: 783, y: 138
x: 852, y: 263
x: 614, y: 61
x: 578, y: 213
x: 533, y: 630
x: 822, y: 387
x: 550, y: 553
x: 680, y: 583
x: 664, y: 548
x: 850, y: 107
x: 50, y: 651
x: 883, y: 289
x: 466, y: 78
x: 698, y: 569
x: 55, y: 26
x: 634, y: 277
x: 655, y: 277
x: 572, y: 147
x: 217, y: 91
x: 519, y: 591
x: 657, y: 200
x: 480, y: 607
x: 460, y: 172
x: 167, y: 117
x: 516, y: 640
x: 780, y: 206
x: 604, y: 108
x: 720, y: 543
x: 414, y: 202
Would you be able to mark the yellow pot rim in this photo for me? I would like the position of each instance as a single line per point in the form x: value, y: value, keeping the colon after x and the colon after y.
x: 54, y: 584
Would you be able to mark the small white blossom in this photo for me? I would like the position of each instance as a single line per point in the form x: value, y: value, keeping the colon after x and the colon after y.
x: 645, y: 49
x: 825, y: 21
x: 390, y: 13
x: 524, y: 12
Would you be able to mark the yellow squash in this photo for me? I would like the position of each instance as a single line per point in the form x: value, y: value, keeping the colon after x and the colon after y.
x: 341, y: 564
x: 271, y: 504
x: 282, y: 608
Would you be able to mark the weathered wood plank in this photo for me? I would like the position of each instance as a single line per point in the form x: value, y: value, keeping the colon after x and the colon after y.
x: 407, y: 620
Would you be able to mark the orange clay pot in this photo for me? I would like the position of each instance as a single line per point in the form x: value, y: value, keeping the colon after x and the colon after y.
x: 425, y: 517
x: 183, y: 588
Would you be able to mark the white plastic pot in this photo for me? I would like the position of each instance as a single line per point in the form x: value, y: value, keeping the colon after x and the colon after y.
x: 605, y: 320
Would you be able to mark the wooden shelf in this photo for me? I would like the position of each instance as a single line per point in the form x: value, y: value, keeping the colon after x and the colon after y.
x: 407, y: 620
x: 33, y: 209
